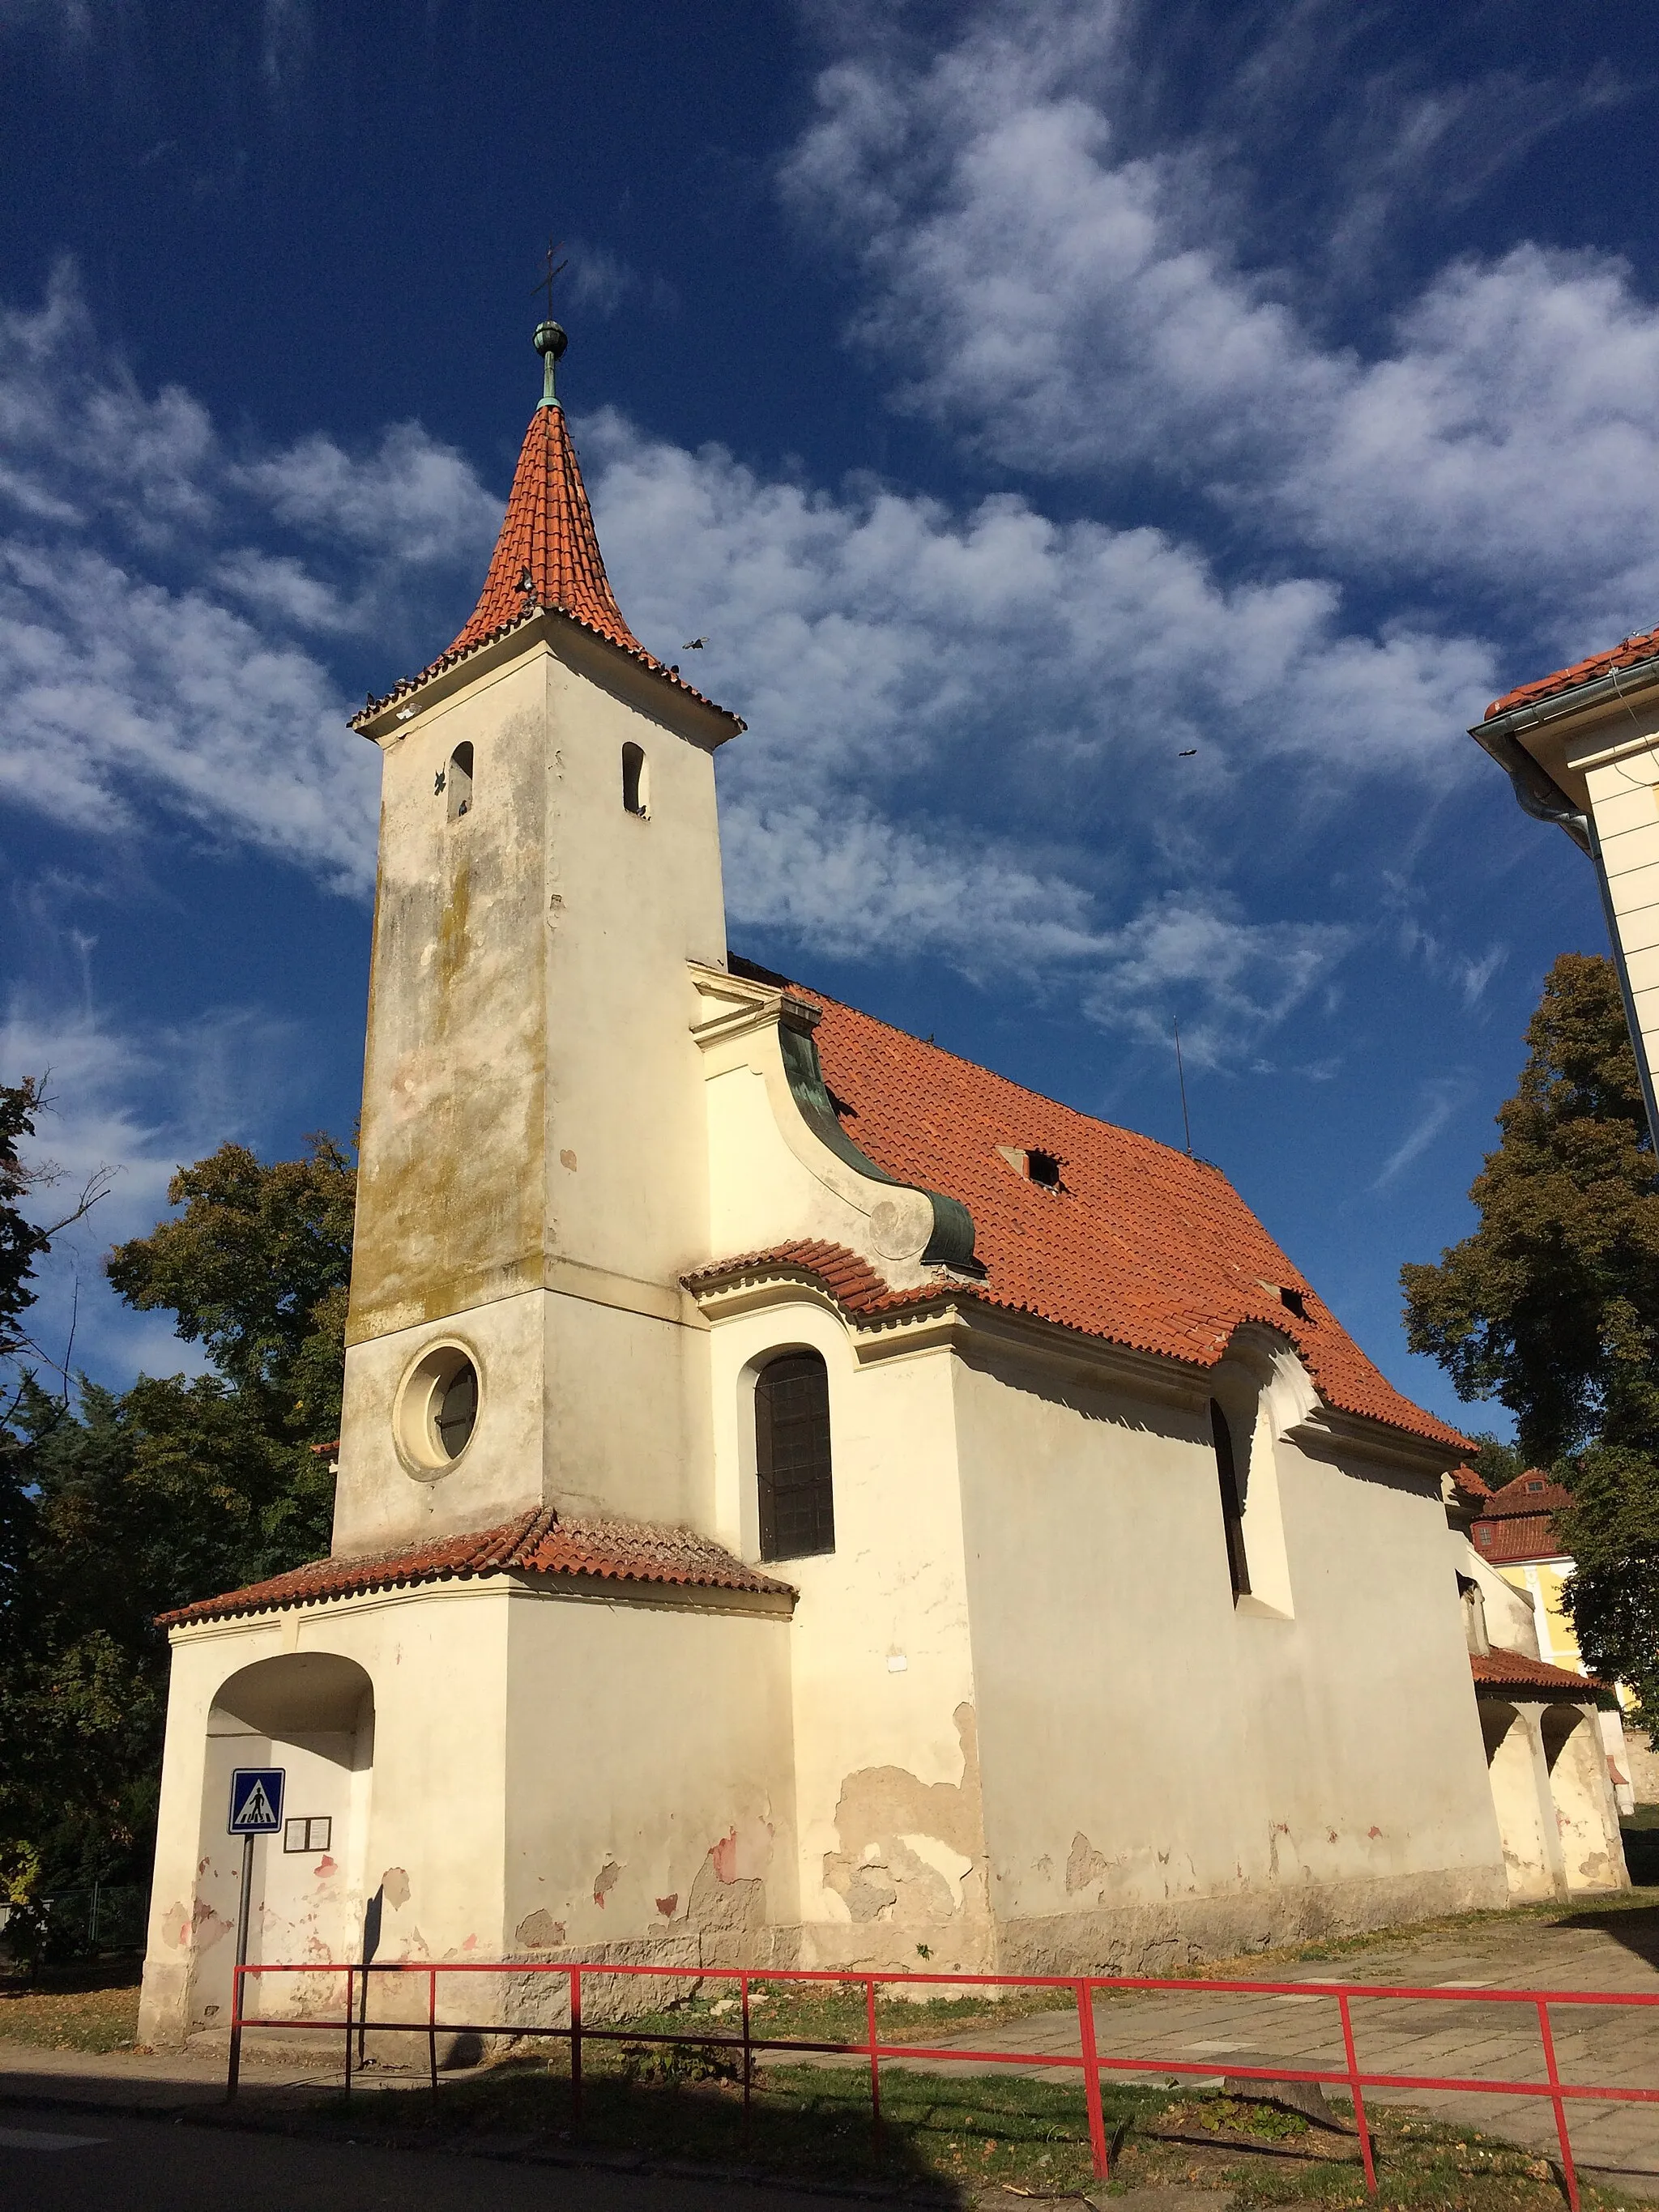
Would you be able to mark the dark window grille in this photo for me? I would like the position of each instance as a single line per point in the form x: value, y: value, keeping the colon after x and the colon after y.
x: 458, y: 1410
x: 792, y: 1457
x: 1232, y: 1506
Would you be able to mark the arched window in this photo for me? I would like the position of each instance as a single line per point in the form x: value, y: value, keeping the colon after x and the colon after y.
x: 635, y: 792
x: 459, y: 782
x: 1232, y: 1506
x: 792, y: 1457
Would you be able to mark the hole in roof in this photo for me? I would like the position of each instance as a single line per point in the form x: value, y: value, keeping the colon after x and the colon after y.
x: 1043, y: 1168
x: 1294, y: 1302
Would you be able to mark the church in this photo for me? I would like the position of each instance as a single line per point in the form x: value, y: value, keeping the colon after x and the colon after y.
x: 802, y: 1498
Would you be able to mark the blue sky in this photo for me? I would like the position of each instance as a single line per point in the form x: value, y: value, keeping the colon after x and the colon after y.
x: 1016, y: 396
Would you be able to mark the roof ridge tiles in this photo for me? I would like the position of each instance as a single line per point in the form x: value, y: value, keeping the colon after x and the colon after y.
x: 1629, y: 652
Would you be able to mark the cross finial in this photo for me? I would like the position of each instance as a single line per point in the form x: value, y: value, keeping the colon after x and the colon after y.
x: 544, y: 283
x: 551, y: 340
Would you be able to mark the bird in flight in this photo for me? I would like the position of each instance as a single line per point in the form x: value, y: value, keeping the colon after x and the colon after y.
x: 1189, y: 754
x: 694, y: 644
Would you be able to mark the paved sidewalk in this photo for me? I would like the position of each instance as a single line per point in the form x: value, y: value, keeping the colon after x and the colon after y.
x: 1614, y: 2047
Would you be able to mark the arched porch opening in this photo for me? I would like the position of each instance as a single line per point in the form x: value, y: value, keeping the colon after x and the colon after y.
x: 310, y: 1713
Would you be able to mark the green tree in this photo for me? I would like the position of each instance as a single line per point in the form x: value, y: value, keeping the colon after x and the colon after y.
x: 176, y: 1489
x: 1551, y: 1305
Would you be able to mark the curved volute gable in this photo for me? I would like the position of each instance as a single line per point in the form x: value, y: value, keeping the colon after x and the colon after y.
x: 780, y: 1165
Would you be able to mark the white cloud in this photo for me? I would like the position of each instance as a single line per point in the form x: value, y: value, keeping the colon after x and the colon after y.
x: 1437, y: 1100
x: 169, y: 637
x: 1075, y: 304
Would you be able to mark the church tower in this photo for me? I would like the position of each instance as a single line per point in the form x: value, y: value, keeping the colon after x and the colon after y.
x: 533, y: 1179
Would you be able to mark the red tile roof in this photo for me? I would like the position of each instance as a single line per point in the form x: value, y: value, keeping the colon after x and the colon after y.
x: 546, y: 557
x: 1518, y: 1522
x: 540, y: 1541
x: 1507, y: 1543
x: 1531, y: 1492
x: 1513, y: 1670
x: 1138, y: 1245
x: 1467, y: 1479
x: 1633, y: 649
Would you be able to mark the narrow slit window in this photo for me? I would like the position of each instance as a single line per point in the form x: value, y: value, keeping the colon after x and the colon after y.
x: 459, y: 782
x: 792, y: 1457
x: 635, y: 792
x: 1232, y: 1506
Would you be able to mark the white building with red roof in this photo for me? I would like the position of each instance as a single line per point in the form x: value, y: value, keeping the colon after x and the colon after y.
x: 1581, y: 748
x: 802, y: 1498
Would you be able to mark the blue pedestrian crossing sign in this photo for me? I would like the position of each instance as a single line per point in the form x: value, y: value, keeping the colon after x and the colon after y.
x: 256, y: 1801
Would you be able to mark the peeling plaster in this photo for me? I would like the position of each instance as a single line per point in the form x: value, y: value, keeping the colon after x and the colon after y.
x: 908, y: 1848
x: 539, y: 1931
x: 1084, y: 1863
x: 394, y: 1887
x: 605, y: 1882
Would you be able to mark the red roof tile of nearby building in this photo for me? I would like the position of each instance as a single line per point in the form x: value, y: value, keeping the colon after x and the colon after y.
x: 1522, y: 1536
x: 1467, y: 1479
x: 547, y: 556
x: 1514, y: 1670
x: 1534, y: 1491
x: 1139, y: 1244
x: 1518, y: 1522
x: 540, y: 1541
x: 1625, y: 655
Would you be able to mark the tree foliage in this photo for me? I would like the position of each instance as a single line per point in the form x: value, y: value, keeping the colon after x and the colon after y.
x: 1552, y: 1306
x: 133, y: 1503
x: 22, y: 1242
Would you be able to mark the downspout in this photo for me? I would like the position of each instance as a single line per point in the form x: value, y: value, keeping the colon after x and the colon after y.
x: 1538, y: 793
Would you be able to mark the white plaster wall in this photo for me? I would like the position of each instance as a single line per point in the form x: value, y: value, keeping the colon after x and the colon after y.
x: 652, y: 1800
x: 1163, y: 1768
x: 1624, y: 794
x: 1511, y: 1615
x: 886, y: 1762
x: 430, y: 1812
x: 533, y: 1115
x: 588, y: 1406
x: 770, y: 1179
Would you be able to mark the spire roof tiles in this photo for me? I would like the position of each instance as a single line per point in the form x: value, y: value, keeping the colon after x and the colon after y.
x: 546, y: 558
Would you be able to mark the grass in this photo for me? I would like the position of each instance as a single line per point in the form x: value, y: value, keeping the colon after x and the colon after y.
x: 969, y: 2139
x: 74, y: 2009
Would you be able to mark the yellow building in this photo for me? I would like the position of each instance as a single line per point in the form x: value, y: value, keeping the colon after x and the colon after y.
x: 1516, y: 1532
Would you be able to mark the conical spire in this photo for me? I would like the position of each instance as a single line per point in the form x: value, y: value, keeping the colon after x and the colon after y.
x: 548, y: 554
x: 547, y: 557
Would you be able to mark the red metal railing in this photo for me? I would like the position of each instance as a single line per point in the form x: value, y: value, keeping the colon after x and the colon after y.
x: 1087, y: 2060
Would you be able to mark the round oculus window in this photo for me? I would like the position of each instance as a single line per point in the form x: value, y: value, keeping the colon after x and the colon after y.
x: 437, y: 1410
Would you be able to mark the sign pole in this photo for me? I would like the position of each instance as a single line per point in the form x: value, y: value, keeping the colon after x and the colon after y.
x: 237, y: 1984
x: 256, y: 1809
